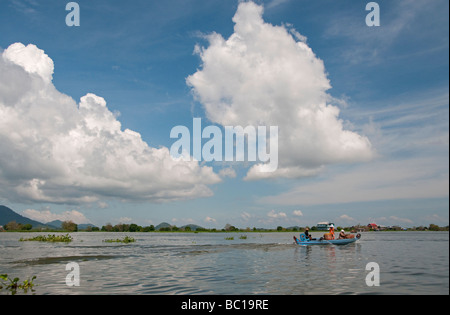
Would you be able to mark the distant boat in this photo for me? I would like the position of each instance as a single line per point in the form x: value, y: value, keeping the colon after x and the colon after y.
x: 304, y: 241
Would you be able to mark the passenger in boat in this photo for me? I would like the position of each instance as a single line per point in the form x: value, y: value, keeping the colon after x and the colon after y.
x: 342, y: 234
x: 332, y: 231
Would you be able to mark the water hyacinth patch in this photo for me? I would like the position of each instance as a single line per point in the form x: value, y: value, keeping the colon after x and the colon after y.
x: 12, y: 285
x: 125, y: 240
x: 49, y: 238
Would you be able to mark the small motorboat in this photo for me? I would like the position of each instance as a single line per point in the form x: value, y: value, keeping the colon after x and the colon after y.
x: 342, y: 241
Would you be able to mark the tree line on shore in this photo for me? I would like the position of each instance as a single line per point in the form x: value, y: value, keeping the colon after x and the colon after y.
x: 69, y: 226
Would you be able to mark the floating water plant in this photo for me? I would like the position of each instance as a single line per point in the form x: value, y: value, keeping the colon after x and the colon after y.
x: 125, y: 240
x: 229, y: 238
x: 49, y: 238
x: 243, y: 237
x: 12, y: 285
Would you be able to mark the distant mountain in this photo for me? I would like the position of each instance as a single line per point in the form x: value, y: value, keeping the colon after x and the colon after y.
x: 162, y: 225
x: 85, y: 226
x: 193, y: 227
x: 56, y: 223
x: 7, y: 215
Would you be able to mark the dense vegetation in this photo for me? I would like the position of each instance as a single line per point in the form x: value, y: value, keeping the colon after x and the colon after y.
x: 49, y: 238
x: 69, y: 226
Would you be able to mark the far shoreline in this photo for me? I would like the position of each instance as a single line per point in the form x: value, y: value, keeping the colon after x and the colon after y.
x: 442, y: 229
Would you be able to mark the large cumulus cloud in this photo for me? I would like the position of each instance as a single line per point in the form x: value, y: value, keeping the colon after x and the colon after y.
x: 54, y: 149
x: 267, y: 75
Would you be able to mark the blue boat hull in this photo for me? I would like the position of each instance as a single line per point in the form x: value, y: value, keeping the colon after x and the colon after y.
x: 344, y: 241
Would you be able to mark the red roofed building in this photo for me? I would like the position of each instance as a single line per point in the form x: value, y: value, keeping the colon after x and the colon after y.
x: 372, y: 226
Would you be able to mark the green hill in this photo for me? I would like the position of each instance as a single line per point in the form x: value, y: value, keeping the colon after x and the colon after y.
x: 162, y: 225
x: 56, y: 223
x: 7, y: 215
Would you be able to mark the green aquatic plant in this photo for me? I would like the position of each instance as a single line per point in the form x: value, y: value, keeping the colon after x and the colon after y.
x: 229, y: 238
x: 243, y: 237
x: 12, y: 285
x: 49, y: 238
x: 125, y: 240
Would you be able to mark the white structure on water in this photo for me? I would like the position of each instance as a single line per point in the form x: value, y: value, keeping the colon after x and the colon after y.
x: 324, y: 226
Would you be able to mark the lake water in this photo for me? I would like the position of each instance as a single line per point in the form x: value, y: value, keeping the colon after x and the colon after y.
x: 208, y: 264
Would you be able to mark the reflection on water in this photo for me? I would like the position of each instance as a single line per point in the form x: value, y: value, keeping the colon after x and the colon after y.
x: 207, y: 263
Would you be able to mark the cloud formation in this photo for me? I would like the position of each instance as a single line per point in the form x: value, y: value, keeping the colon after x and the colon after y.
x: 275, y: 215
x: 267, y: 75
x: 55, y: 150
x: 382, y: 180
x: 46, y: 216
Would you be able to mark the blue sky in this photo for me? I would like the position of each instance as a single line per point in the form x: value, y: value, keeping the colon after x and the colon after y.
x: 155, y: 65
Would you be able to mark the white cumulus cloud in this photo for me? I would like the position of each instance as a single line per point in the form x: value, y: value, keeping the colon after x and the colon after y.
x: 46, y: 216
x: 346, y: 218
x: 56, y: 150
x: 275, y: 215
x: 210, y: 220
x: 267, y: 75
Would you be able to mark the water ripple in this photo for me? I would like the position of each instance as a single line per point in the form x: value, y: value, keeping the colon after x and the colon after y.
x: 207, y: 263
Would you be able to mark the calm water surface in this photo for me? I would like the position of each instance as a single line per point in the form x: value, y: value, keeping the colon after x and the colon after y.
x: 207, y: 263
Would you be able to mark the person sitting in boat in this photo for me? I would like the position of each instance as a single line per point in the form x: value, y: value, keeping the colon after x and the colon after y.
x: 308, y: 236
x: 342, y: 234
x: 332, y: 231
